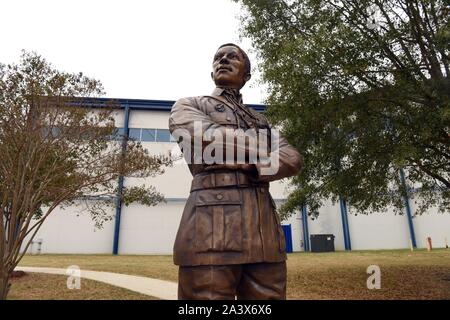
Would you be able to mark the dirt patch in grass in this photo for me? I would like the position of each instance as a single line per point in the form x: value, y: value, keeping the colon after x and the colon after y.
x: 36, y: 286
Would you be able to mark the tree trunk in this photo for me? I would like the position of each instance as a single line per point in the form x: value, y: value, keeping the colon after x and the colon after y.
x: 4, y: 284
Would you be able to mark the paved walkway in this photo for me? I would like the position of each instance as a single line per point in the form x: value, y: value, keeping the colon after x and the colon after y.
x: 161, y: 289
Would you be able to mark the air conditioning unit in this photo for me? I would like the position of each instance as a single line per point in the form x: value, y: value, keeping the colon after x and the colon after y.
x: 322, y: 242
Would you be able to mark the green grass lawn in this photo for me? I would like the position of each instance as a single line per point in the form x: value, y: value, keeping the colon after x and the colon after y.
x: 335, y: 275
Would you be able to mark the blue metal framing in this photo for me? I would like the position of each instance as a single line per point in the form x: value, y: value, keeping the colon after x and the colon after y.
x: 408, y: 210
x: 141, y: 104
x: 305, y: 228
x: 345, y: 227
x: 120, y: 184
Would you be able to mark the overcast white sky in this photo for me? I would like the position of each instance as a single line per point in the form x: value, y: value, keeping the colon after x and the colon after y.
x: 142, y: 49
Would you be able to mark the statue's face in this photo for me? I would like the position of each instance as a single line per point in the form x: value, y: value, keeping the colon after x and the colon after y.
x: 229, y: 68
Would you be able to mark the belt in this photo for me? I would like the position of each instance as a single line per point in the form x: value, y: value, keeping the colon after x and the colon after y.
x: 210, y: 180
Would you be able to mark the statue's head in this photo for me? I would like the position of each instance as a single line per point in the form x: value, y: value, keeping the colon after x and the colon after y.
x: 231, y: 67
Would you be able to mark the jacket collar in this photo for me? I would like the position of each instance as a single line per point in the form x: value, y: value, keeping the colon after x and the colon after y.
x: 219, y: 91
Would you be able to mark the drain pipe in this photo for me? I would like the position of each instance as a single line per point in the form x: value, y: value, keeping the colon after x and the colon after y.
x: 408, y: 211
x: 305, y: 228
x: 120, y: 183
x: 345, y: 228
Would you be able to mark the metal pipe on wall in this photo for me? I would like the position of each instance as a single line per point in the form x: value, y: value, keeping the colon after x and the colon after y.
x: 120, y: 183
x: 345, y: 227
x: 305, y: 228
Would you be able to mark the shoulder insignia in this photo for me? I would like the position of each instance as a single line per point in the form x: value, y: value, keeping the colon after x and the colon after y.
x: 220, y: 108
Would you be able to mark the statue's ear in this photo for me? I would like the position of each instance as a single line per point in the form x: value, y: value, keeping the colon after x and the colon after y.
x: 247, y: 77
x: 212, y: 75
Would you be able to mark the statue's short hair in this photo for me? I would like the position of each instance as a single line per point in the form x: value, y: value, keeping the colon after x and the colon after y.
x: 246, y: 59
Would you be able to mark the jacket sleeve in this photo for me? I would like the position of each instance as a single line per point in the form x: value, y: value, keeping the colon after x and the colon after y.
x: 284, y: 161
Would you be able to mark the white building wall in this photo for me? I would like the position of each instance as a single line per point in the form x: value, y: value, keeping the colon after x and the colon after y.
x: 72, y: 231
x: 149, y: 119
x: 119, y: 117
x: 149, y: 230
x: 382, y: 230
x: 434, y: 225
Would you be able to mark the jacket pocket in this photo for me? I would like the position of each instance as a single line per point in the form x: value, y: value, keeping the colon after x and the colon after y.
x: 218, y: 220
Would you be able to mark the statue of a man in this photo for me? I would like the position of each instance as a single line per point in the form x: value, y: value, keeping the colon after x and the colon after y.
x: 230, y: 242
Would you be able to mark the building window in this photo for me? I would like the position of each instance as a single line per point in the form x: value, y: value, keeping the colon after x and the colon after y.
x: 118, y: 134
x: 148, y: 135
x: 162, y: 135
x: 135, y: 134
x: 145, y: 135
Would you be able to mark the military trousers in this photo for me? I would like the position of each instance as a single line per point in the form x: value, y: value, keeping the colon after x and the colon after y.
x: 253, y: 281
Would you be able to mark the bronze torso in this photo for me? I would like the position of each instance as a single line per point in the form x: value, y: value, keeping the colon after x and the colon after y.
x: 230, y: 216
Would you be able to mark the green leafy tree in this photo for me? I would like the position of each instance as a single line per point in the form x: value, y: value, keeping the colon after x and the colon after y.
x: 55, y: 151
x: 362, y: 89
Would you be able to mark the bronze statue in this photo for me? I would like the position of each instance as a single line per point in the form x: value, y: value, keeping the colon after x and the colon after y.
x: 230, y: 242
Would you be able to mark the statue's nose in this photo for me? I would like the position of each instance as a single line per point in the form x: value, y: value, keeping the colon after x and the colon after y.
x: 224, y: 60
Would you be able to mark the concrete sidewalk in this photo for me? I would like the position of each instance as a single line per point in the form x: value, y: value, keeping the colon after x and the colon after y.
x: 161, y: 289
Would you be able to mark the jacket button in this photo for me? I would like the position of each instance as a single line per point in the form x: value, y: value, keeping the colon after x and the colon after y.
x: 219, y: 196
x: 228, y: 119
